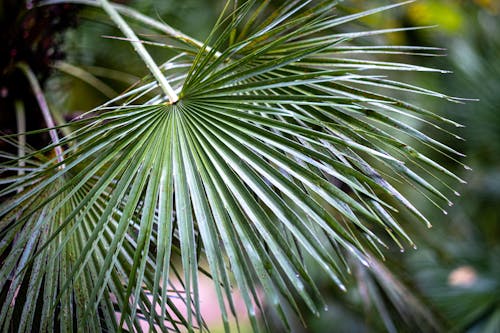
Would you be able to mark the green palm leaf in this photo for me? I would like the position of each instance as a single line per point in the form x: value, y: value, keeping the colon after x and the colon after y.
x: 280, y: 154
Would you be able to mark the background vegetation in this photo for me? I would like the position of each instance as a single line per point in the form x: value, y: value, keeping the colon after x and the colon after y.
x: 456, y: 268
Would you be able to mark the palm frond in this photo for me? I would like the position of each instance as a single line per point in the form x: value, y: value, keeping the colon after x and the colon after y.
x: 281, y: 147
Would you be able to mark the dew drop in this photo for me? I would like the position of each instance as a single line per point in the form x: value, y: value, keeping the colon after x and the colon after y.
x: 445, y: 212
x: 414, y: 247
x: 456, y: 193
x: 429, y: 225
x: 450, y: 203
x: 466, y: 167
x: 401, y: 250
x: 325, y: 308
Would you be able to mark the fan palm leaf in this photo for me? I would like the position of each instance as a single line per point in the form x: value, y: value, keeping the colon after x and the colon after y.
x: 280, y: 151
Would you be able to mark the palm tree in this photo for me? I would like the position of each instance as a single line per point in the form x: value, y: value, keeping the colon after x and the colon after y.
x: 272, y: 149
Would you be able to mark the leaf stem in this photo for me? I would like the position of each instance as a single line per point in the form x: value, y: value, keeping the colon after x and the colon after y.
x: 133, y: 14
x: 141, y: 50
x: 42, y: 103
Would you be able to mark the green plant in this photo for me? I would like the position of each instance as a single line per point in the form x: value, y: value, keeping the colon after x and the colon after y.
x: 271, y: 148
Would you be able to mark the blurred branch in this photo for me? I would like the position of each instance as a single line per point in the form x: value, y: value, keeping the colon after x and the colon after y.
x: 21, y: 129
x: 86, y: 77
x: 42, y: 102
x: 112, y: 74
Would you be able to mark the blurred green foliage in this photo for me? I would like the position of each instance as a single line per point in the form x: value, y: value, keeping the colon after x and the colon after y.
x: 456, y: 270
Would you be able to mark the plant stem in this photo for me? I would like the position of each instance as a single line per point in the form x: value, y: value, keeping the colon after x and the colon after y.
x: 141, y: 50
x: 42, y: 103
